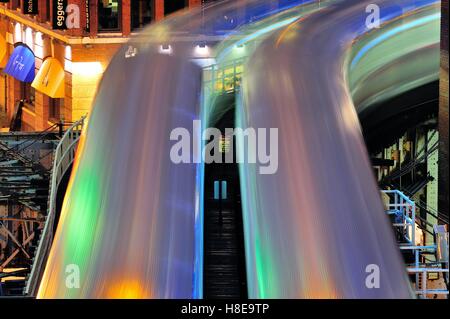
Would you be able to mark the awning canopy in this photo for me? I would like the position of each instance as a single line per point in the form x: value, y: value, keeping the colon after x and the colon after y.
x: 2, y: 50
x: 21, y: 64
x: 50, y: 79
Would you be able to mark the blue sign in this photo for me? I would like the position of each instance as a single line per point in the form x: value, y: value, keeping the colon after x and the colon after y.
x: 21, y: 64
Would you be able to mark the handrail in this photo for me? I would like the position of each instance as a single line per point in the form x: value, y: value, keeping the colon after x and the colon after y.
x: 408, y: 210
x: 64, y: 156
x: 424, y: 291
x: 402, y: 204
x: 419, y: 203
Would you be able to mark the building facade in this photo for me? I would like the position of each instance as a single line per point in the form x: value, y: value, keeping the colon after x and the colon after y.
x: 443, y: 115
x: 54, y: 52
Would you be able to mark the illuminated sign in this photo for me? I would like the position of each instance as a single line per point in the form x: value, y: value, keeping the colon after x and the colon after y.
x: 21, y: 64
x: 30, y: 7
x: 59, y: 14
x: 88, y: 17
x: 224, y: 144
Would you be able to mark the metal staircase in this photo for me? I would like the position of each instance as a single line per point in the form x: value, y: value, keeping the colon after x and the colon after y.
x: 32, y: 166
x: 24, y: 177
x: 63, y: 158
x: 408, y: 227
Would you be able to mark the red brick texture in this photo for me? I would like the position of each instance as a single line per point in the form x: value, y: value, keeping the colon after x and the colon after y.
x: 443, y: 179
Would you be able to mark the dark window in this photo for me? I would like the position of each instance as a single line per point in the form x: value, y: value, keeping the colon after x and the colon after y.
x: 109, y: 15
x: 15, y: 4
x: 170, y: 6
x: 27, y: 94
x: 141, y: 13
x: 49, y: 8
x: 55, y: 107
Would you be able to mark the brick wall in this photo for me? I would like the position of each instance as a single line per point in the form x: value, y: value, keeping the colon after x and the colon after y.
x: 80, y: 90
x: 443, y: 114
x: 43, y: 11
x: 194, y: 3
x: 79, y: 31
x: 158, y: 9
x: 126, y: 17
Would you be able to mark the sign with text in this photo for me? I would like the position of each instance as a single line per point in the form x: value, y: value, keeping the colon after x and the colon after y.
x: 30, y: 7
x: 88, y: 17
x: 59, y: 14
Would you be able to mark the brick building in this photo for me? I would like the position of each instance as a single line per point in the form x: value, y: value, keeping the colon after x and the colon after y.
x: 52, y: 60
x: 443, y: 114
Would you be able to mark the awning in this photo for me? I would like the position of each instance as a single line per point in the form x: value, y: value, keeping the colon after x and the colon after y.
x: 50, y: 79
x: 21, y: 64
x: 2, y: 50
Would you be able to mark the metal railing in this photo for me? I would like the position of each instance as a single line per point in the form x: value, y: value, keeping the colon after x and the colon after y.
x: 404, y: 209
x: 424, y: 291
x: 63, y: 158
x: 223, y: 78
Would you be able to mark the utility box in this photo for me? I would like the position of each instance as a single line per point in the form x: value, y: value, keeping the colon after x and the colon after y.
x: 442, y: 243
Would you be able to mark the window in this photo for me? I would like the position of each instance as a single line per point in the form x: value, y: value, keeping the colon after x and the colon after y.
x: 141, y: 13
x: 229, y: 78
x: 15, y: 4
x: 109, y: 15
x: 55, y: 107
x: 27, y: 94
x: 49, y: 8
x: 170, y: 6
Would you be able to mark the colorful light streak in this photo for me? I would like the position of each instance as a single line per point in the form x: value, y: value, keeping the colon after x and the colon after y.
x: 402, y: 56
x: 129, y: 220
x: 386, y: 35
x: 133, y: 222
x: 312, y: 228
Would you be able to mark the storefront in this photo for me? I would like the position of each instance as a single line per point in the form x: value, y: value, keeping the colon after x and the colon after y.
x: 44, y: 79
x: 53, y: 63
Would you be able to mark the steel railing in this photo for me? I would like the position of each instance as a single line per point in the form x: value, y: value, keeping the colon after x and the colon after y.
x: 404, y: 208
x: 63, y: 158
x: 407, y: 210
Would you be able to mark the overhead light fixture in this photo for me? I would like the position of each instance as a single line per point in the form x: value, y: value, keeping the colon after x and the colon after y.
x: 202, y: 49
x: 86, y: 68
x: 165, y: 49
